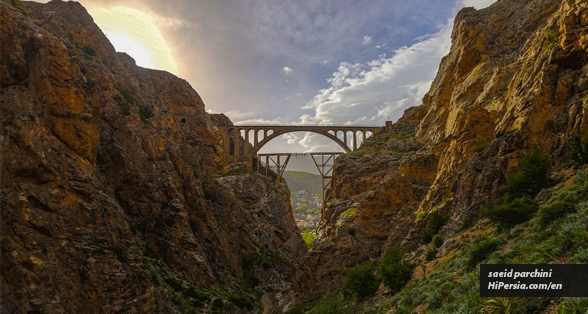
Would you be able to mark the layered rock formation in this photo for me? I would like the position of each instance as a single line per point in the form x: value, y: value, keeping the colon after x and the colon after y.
x: 516, y: 75
x: 115, y: 196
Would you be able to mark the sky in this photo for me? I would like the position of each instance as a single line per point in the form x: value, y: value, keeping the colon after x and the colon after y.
x: 357, y: 62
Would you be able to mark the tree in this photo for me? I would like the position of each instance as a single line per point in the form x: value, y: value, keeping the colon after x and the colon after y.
x: 532, y: 174
x: 579, y: 149
x: 361, y: 281
x: 395, y: 270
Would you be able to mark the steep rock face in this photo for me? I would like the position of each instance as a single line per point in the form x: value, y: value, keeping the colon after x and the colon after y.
x: 516, y: 75
x: 526, y: 86
x: 366, y: 212
x: 114, y: 183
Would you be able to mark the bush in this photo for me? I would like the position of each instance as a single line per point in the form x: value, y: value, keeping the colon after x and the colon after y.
x: 124, y: 106
x: 395, y: 270
x: 89, y: 50
x: 145, y: 112
x: 579, y: 150
x: 532, y: 174
x: 308, y: 236
x: 481, y: 251
x: 431, y: 253
x: 552, y: 212
x: 361, y: 281
x: 435, y: 222
x: 438, y: 241
x: 511, y: 213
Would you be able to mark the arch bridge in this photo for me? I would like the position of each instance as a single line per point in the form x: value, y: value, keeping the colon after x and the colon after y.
x: 239, y: 147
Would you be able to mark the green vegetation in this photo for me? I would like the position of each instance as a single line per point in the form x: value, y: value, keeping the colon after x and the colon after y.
x: 552, y: 36
x: 480, y: 145
x: 395, y: 270
x: 264, y: 258
x: 124, y: 100
x: 125, y: 107
x: 18, y: 4
x: 335, y: 302
x: 451, y: 284
x: 481, y: 251
x: 550, y: 213
x: 573, y: 306
x: 191, y: 299
x: 145, y: 112
x: 579, y: 149
x: 349, y: 212
x: 435, y: 222
x: 531, y: 176
x: 361, y: 280
x: 299, y: 181
x: 438, y: 241
x: 309, y: 236
x: 431, y: 253
x: 89, y: 50
x: 511, y: 212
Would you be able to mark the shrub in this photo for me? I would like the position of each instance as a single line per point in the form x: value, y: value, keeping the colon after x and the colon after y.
x: 145, y: 112
x: 395, y: 270
x: 308, y: 236
x: 436, y: 301
x: 435, y: 222
x: 532, y: 174
x: 124, y: 106
x: 502, y: 304
x: 174, y: 283
x: 361, y: 281
x: 552, y: 212
x: 573, y: 306
x: 349, y: 212
x: 481, y: 251
x: 511, y: 213
x: 438, y: 241
x: 89, y: 50
x: 579, y: 149
x: 431, y: 253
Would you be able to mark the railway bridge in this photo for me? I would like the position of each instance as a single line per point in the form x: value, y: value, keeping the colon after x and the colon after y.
x: 243, y: 142
x: 239, y: 147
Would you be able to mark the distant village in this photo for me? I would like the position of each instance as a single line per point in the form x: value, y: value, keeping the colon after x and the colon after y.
x: 307, y: 209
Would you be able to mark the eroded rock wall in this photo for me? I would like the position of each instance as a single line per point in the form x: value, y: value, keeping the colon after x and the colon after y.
x: 113, y: 180
x: 516, y: 75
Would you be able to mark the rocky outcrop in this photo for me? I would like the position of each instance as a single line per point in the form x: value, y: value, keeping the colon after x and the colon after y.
x: 115, y: 193
x: 366, y: 213
x: 515, y: 76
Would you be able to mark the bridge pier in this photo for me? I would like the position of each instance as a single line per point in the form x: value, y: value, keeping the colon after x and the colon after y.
x: 324, y: 163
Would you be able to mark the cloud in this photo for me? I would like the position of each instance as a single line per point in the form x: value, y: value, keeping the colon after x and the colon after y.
x: 290, y: 138
x: 478, y: 4
x: 371, y: 92
x: 287, y: 70
x: 367, y: 40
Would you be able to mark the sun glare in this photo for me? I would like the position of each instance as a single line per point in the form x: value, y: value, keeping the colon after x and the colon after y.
x: 133, y: 48
x: 134, y: 32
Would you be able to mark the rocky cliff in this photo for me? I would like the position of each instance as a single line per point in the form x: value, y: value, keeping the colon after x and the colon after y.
x: 115, y: 190
x: 516, y: 75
